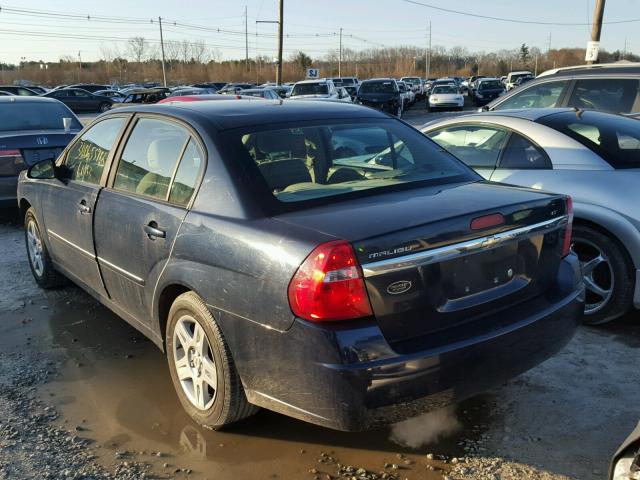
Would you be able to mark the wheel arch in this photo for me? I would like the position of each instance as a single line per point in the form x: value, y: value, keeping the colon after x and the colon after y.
x: 167, y: 296
x: 24, y: 205
x: 615, y: 226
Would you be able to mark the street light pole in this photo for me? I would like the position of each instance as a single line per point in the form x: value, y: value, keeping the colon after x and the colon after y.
x: 340, y: 56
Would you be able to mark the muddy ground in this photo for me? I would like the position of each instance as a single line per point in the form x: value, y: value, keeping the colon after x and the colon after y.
x: 83, y: 395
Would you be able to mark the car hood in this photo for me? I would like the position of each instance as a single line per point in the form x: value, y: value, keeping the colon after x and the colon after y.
x: 303, y: 97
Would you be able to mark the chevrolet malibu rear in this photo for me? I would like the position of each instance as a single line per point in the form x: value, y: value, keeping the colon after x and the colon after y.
x: 329, y: 262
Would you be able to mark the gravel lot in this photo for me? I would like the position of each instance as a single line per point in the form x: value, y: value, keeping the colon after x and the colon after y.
x: 83, y: 395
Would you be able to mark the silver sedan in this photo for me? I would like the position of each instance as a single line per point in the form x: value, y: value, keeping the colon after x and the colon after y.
x: 592, y: 156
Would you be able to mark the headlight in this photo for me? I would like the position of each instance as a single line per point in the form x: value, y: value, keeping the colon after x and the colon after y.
x: 433, y: 99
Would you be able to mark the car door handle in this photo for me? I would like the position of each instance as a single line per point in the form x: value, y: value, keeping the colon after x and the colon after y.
x: 153, y: 231
x: 83, y: 208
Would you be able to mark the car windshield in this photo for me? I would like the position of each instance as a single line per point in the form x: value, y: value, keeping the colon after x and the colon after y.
x: 347, y: 81
x: 377, y: 87
x: 310, y: 89
x: 615, y: 138
x: 445, y: 89
x: 35, y: 116
x: 490, y: 85
x: 297, y: 164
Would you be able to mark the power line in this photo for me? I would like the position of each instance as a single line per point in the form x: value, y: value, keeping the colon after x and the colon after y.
x: 512, y: 20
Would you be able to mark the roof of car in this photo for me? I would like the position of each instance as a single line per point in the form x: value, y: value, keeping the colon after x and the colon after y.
x: 28, y: 99
x: 228, y: 115
x: 532, y: 114
x: 600, y: 68
x: 317, y: 80
x: 379, y: 80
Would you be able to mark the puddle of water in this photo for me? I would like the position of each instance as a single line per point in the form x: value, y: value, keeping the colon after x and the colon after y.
x: 116, y: 387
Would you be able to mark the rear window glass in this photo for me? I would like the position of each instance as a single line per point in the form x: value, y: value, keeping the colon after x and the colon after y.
x: 444, y: 89
x: 490, y: 85
x: 304, y: 163
x: 377, y: 87
x: 35, y: 116
x: 614, y: 137
x: 310, y: 89
x: 615, y: 95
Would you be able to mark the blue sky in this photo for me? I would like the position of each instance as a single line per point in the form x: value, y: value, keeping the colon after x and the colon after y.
x: 313, y: 25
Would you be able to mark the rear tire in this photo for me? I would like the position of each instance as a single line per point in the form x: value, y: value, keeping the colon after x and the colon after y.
x: 196, y: 366
x: 399, y: 112
x: 607, y: 272
x: 44, y: 273
x: 104, y: 107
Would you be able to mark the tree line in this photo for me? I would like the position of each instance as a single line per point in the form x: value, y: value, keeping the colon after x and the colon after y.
x: 189, y: 62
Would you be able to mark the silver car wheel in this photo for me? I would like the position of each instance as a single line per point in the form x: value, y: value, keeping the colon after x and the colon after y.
x: 597, y: 274
x: 194, y: 362
x: 34, y: 245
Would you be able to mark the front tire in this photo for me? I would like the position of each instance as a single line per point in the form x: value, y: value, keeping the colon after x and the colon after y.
x: 201, y: 366
x: 44, y: 273
x: 607, y: 272
x: 399, y: 111
x: 104, y: 107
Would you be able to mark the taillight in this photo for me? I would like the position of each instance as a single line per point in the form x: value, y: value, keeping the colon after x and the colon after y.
x: 566, y: 246
x: 329, y: 285
x: 11, y: 162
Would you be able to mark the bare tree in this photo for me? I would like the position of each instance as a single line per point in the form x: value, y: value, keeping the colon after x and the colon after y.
x: 199, y: 53
x: 137, y: 49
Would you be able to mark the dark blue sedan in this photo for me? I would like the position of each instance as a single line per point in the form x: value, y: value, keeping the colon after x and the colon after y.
x: 31, y: 129
x: 322, y: 260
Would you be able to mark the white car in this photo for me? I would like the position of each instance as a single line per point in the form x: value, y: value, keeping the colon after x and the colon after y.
x: 405, y: 94
x: 417, y: 84
x: 314, y: 89
x: 510, y: 82
x: 445, y: 97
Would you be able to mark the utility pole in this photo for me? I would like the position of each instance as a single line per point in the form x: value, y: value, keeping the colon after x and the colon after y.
x: 79, y: 65
x: 428, y: 63
x: 164, y: 72
x: 596, y: 29
x: 624, y: 50
x: 280, y: 39
x: 340, y: 56
x: 246, y: 38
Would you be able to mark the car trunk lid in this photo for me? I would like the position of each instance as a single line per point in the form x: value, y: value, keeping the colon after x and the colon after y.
x: 427, y: 271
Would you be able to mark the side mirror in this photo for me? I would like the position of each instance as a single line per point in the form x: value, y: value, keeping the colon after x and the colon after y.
x: 43, y: 170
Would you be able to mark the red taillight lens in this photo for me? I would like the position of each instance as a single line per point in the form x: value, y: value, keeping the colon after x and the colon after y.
x: 329, y: 285
x: 566, y: 245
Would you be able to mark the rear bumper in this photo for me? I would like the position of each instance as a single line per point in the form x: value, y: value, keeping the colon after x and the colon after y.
x: 352, y: 379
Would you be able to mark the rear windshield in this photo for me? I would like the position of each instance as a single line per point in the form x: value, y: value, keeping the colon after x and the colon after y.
x: 444, y: 89
x: 519, y: 75
x: 35, y: 116
x: 377, y: 87
x: 310, y: 89
x: 490, y: 85
x: 298, y: 164
x: 614, y: 137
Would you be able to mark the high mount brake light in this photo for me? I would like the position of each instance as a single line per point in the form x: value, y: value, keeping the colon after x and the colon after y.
x: 329, y: 285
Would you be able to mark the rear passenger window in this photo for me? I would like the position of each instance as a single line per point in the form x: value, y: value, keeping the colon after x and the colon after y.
x: 150, y: 158
x: 477, y: 146
x: 605, y: 94
x: 537, y: 96
x: 185, y: 180
x: 521, y: 154
x: 87, y: 157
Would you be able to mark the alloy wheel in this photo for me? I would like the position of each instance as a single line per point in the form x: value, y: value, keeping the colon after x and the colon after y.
x: 34, y: 246
x: 597, y: 274
x: 194, y: 362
